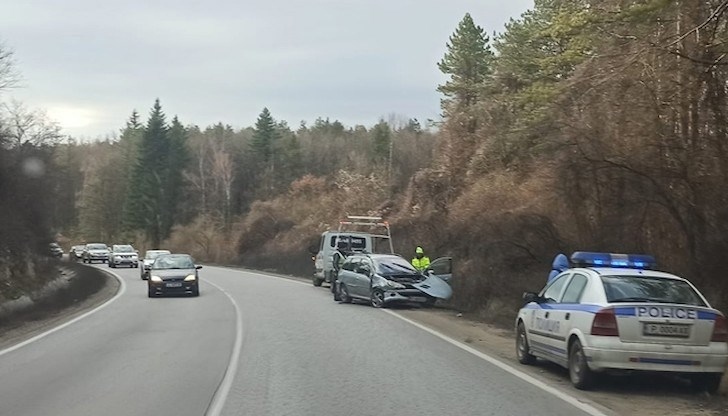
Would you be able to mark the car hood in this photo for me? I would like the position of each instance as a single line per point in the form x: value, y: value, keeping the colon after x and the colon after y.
x: 168, y: 274
x: 435, y: 287
x: 99, y: 251
x: 123, y: 253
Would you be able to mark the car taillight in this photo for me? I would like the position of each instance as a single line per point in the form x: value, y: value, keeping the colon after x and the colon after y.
x: 605, y: 324
x: 720, y: 329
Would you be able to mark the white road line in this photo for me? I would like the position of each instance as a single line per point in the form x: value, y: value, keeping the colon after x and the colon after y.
x: 221, y: 393
x: 119, y: 293
x: 587, y: 408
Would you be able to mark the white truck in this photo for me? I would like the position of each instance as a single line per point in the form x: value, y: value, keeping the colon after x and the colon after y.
x: 349, y: 238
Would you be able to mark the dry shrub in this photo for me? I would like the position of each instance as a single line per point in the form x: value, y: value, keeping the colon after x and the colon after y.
x: 284, y: 227
x: 205, y: 238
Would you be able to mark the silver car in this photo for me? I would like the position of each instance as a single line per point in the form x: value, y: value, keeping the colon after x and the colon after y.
x: 384, y: 279
x: 148, y: 260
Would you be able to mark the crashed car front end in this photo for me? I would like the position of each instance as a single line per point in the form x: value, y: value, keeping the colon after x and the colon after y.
x: 411, y: 288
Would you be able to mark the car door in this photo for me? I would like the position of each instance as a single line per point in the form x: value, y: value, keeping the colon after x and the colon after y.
x: 544, y: 328
x: 442, y: 268
x: 364, y: 274
x: 348, y: 275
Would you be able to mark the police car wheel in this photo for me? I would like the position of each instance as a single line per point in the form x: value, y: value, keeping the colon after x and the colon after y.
x: 707, y: 382
x: 579, y: 372
x: 344, y: 294
x: 522, y: 348
x: 377, y: 298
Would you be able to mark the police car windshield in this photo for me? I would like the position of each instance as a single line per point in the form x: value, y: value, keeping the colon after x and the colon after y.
x: 649, y: 289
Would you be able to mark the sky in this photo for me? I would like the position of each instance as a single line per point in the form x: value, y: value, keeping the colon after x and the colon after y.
x: 89, y: 63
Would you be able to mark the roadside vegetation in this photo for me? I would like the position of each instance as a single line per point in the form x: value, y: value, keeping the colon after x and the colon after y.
x: 595, y: 125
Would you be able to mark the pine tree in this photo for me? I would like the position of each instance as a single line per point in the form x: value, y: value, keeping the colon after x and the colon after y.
x: 264, y: 137
x: 468, y: 62
x: 382, y: 140
x: 145, y: 206
x: 178, y: 158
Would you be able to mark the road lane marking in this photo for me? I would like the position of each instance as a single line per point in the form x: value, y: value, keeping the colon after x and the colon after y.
x: 572, y: 400
x: 119, y: 293
x: 223, y: 389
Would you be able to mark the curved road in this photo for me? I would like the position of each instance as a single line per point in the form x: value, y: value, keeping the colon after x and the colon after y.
x: 299, y: 353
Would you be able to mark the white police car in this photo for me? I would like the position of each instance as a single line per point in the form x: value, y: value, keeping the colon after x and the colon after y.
x: 611, y: 312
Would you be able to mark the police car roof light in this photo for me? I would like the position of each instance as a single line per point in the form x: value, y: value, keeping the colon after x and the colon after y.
x: 632, y: 261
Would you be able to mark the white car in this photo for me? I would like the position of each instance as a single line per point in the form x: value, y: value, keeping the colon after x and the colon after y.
x: 123, y: 255
x: 610, y: 312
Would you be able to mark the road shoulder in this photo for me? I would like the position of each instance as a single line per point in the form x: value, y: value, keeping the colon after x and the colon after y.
x: 60, y: 308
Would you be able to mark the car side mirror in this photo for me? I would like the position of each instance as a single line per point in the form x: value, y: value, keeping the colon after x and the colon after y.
x: 198, y: 267
x: 529, y: 297
x: 313, y: 250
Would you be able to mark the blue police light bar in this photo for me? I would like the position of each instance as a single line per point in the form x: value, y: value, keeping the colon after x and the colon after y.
x: 632, y: 261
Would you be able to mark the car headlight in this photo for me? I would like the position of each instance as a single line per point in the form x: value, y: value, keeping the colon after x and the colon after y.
x: 190, y: 278
x: 155, y: 279
x: 393, y: 285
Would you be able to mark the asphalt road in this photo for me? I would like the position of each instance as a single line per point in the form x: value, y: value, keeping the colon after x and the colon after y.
x: 299, y: 353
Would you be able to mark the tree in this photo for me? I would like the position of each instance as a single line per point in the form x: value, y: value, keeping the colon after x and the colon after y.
x: 264, y: 137
x: 146, y: 209
x: 468, y: 62
x: 382, y: 142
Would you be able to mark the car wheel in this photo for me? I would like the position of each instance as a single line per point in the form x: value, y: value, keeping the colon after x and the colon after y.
x: 150, y: 293
x: 522, y: 348
x: 317, y: 282
x: 377, y: 298
x: 707, y: 382
x: 582, y: 377
x: 344, y: 294
x: 196, y: 291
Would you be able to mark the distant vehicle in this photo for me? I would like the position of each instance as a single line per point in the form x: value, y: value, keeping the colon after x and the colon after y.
x: 149, y: 258
x: 76, y: 253
x: 611, y: 312
x: 55, y: 250
x: 123, y: 255
x: 95, y: 252
x: 350, y: 241
x: 383, y: 279
x: 173, y: 274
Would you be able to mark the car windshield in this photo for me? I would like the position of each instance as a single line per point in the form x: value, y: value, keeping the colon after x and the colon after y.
x: 394, y: 265
x: 97, y: 247
x: 174, y: 262
x: 650, y: 289
x: 124, y: 249
x: 154, y: 254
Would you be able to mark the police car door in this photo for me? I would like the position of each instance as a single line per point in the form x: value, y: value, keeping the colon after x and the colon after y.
x: 545, y: 333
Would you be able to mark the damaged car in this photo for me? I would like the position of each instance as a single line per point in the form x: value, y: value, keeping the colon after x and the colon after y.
x: 385, y: 279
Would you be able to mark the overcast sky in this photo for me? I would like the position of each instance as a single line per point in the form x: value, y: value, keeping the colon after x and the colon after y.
x: 89, y: 63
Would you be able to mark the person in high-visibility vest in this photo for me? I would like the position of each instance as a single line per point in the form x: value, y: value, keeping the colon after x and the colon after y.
x: 420, y: 262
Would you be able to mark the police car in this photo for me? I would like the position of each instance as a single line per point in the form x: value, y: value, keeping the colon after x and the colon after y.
x: 613, y: 312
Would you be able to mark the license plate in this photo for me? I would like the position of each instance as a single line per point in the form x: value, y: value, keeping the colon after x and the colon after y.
x: 667, y: 330
x: 174, y: 284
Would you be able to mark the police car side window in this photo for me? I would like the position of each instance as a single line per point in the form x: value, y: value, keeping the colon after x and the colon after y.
x: 575, y: 289
x: 553, y: 292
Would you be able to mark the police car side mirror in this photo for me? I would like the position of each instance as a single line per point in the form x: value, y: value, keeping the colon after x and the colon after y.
x: 529, y: 297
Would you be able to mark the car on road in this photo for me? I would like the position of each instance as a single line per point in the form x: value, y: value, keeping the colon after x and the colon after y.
x: 95, y: 252
x: 149, y: 258
x: 173, y: 274
x: 123, y: 255
x: 76, y: 252
x: 384, y: 279
x: 613, y: 312
x: 55, y: 250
